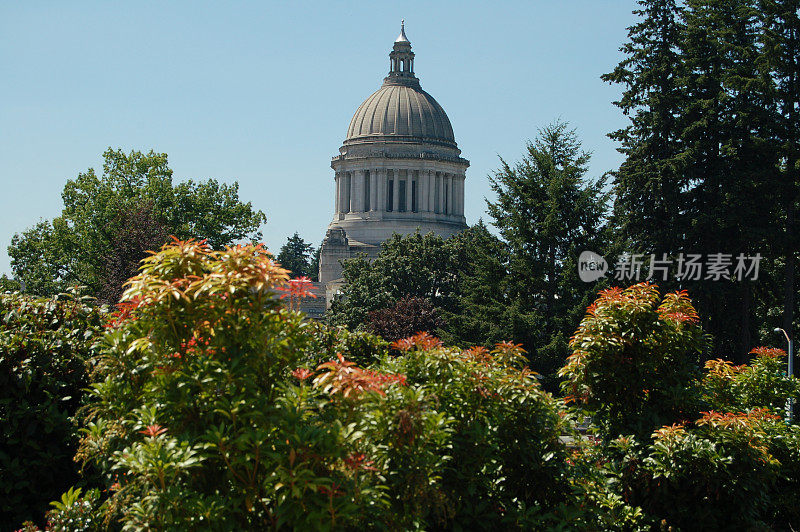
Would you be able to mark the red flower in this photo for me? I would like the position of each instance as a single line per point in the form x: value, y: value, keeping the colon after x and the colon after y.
x: 300, y: 287
x: 302, y: 373
x: 422, y: 341
x: 769, y: 352
x: 153, y: 431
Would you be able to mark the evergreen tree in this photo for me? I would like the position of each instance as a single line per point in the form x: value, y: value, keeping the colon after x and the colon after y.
x: 701, y: 163
x: 295, y: 255
x: 728, y: 156
x: 649, y: 206
x: 314, y: 264
x: 548, y: 213
x: 780, y: 21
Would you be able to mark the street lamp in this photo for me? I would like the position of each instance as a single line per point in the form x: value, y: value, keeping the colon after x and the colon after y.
x: 789, y: 371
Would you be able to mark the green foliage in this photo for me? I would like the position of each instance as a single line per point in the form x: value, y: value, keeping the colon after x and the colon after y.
x: 548, y: 212
x: 9, y: 285
x: 463, y: 277
x: 201, y: 418
x: 360, y: 347
x: 763, y: 383
x: 507, y: 458
x: 98, y: 223
x: 194, y: 364
x: 296, y: 256
x: 712, y: 138
x: 721, y: 473
x: 44, y: 346
x: 413, y: 265
x: 635, y: 361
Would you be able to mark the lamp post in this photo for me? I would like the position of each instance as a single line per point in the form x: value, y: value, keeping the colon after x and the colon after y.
x: 789, y: 371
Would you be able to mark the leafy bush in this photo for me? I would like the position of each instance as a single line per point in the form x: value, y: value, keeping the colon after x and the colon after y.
x: 361, y: 347
x: 722, y: 472
x: 634, y: 365
x: 184, y: 417
x: 207, y: 412
x: 44, y: 345
x: 763, y: 383
x: 406, y: 317
x: 508, y: 462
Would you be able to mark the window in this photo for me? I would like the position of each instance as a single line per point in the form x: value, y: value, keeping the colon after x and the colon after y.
x: 390, y: 196
x: 402, y: 207
x: 366, y: 191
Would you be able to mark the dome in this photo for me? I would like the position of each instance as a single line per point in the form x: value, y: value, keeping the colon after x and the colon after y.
x: 403, y: 112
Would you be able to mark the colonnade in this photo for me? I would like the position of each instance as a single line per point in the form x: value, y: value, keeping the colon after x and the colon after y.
x: 399, y: 190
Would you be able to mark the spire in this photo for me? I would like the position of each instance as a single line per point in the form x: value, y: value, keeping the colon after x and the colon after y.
x: 402, y: 37
x: 401, y: 60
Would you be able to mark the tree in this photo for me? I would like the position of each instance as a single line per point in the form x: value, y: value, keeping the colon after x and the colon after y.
x: 314, y: 264
x: 548, y: 212
x: 649, y: 206
x: 414, y: 265
x: 77, y: 247
x: 702, y: 160
x: 131, y: 234
x: 462, y: 277
x: 781, y: 54
x: 409, y: 316
x: 296, y: 256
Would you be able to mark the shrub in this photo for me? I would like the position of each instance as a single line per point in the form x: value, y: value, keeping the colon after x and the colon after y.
x: 360, y: 347
x: 507, y: 459
x: 763, y: 383
x: 184, y: 415
x: 407, y: 317
x: 721, y: 472
x: 634, y: 365
x: 201, y: 417
x: 44, y: 344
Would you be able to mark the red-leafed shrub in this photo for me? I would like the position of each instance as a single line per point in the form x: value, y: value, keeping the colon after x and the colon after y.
x: 635, y: 358
x: 405, y: 318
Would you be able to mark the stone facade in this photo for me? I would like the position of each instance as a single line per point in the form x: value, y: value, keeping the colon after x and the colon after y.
x: 398, y: 171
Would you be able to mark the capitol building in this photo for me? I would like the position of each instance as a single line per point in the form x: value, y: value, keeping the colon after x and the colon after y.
x: 399, y: 170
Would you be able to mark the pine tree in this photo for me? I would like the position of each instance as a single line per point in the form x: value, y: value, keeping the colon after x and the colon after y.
x: 295, y: 256
x: 548, y: 213
x: 649, y: 205
x: 781, y: 56
x: 700, y: 169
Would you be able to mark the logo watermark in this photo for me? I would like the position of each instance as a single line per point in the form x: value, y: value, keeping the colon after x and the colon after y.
x: 685, y: 267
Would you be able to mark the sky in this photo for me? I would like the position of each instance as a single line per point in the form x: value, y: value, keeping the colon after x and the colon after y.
x: 261, y: 93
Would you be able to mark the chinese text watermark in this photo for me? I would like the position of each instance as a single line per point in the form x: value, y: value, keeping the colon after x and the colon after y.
x: 684, y: 267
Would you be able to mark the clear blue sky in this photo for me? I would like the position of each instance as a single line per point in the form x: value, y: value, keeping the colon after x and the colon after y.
x: 262, y: 92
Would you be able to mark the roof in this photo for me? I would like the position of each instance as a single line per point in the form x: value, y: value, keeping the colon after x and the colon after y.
x: 401, y: 110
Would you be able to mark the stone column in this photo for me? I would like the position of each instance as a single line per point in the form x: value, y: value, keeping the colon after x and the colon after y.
x: 344, y: 202
x: 459, y: 194
x: 461, y: 184
x: 380, y: 206
x: 373, y: 190
x: 451, y: 200
x: 442, y: 193
x: 429, y: 190
x: 396, y: 191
